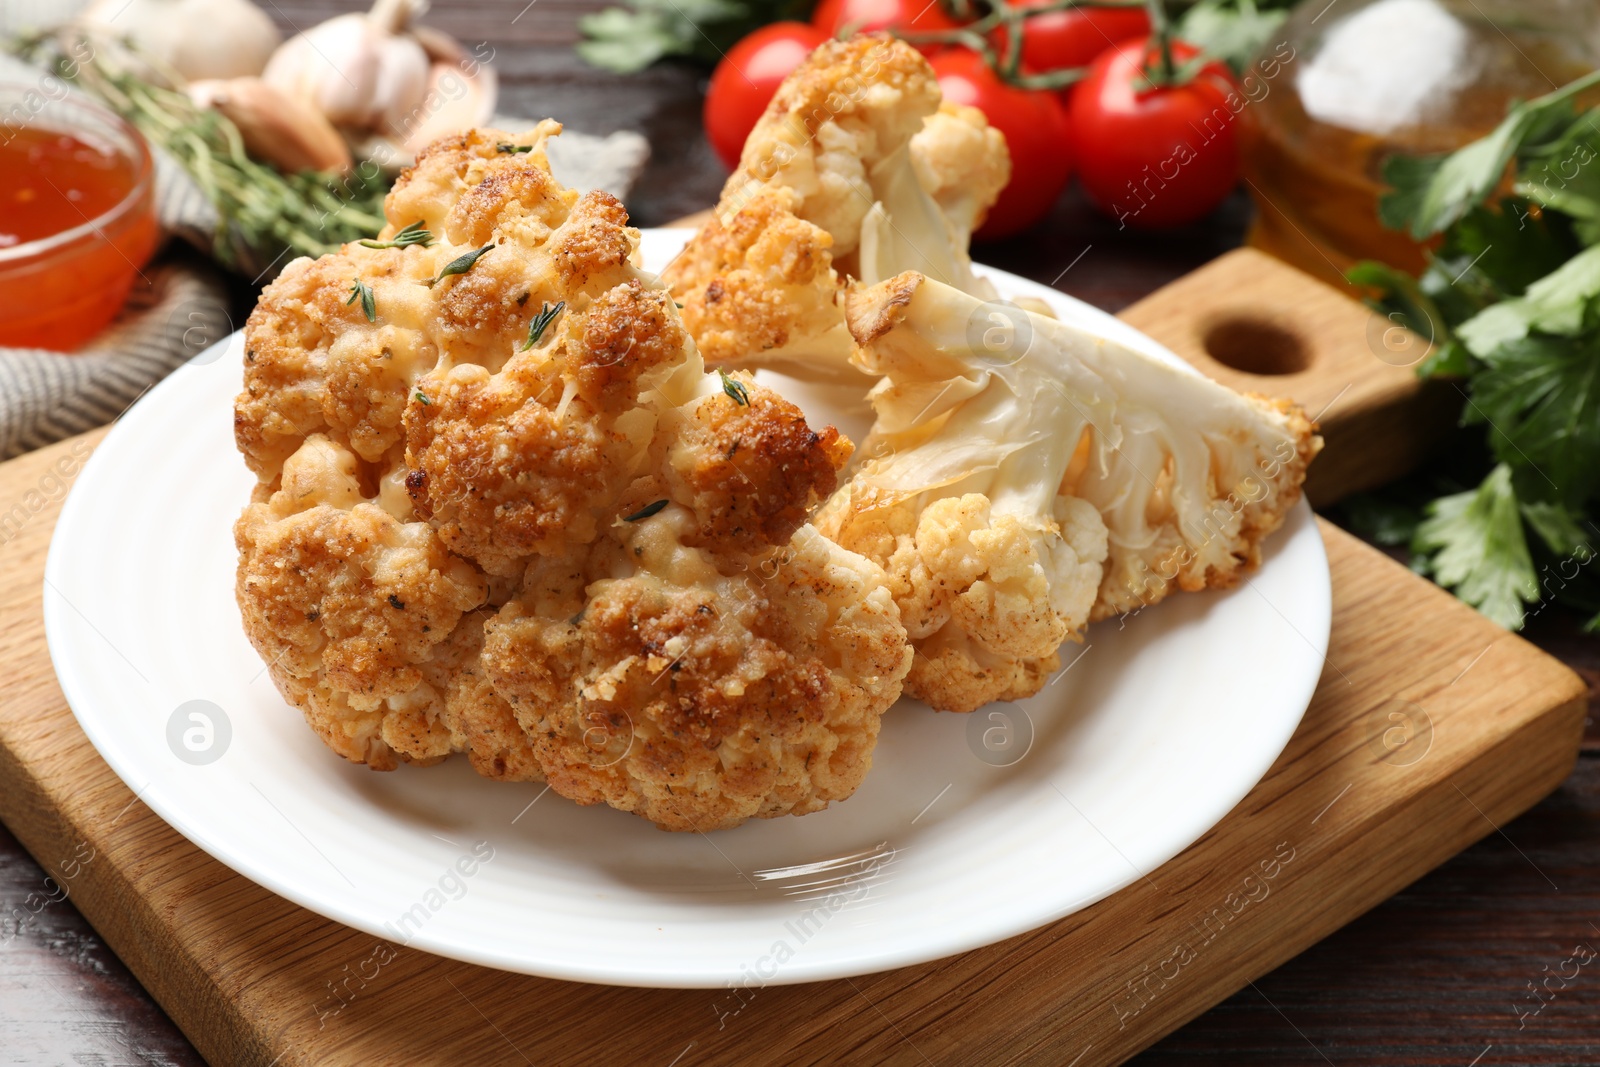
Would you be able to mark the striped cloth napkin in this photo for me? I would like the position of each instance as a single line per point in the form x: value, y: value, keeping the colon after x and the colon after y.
x: 180, y: 305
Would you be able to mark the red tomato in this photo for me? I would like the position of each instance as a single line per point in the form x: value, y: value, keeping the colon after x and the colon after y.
x: 1035, y: 125
x: 920, y: 16
x: 1155, y: 157
x: 1074, y: 37
x: 748, y: 76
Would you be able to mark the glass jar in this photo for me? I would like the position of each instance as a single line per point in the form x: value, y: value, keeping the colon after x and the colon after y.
x: 1356, y: 81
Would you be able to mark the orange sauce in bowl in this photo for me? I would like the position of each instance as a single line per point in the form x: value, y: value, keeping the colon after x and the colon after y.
x: 52, y: 181
x: 77, y: 222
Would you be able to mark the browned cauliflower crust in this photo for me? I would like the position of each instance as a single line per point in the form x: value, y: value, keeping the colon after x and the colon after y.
x: 529, y: 459
x: 854, y: 170
x: 347, y: 605
x: 503, y: 510
x: 751, y: 472
x: 758, y: 287
x: 699, y: 691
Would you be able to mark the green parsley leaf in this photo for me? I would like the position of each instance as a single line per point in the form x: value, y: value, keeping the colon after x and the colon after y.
x: 544, y: 318
x: 1559, y: 528
x: 414, y: 234
x: 460, y: 265
x: 1540, y: 397
x: 1234, y: 31
x: 1431, y: 192
x: 369, y: 304
x: 422, y: 398
x: 1554, y: 304
x: 1560, y: 175
x: 1496, y: 252
x: 1474, y: 544
x: 513, y: 149
x: 646, y: 511
x: 735, y: 389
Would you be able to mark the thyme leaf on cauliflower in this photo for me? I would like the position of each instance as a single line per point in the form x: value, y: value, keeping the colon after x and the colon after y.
x: 646, y: 511
x: 546, y: 316
x: 369, y: 304
x: 460, y: 265
x: 735, y: 389
x: 415, y: 234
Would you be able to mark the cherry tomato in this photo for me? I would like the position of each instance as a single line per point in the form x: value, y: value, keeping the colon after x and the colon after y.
x: 1035, y: 125
x: 1157, y: 157
x: 748, y: 76
x: 1074, y: 37
x: 921, y: 16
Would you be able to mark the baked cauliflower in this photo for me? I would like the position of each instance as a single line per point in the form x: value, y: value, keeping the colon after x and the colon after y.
x: 503, y: 510
x: 1015, y: 491
x: 855, y: 169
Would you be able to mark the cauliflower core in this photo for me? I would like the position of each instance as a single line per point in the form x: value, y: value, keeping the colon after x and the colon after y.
x: 1014, y: 494
x: 502, y: 510
x: 855, y: 167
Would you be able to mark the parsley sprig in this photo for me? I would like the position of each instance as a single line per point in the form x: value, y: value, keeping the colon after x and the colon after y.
x: 1511, y: 303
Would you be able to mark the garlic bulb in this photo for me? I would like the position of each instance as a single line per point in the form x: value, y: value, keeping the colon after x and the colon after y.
x: 380, y: 80
x: 196, y: 38
x: 276, y: 128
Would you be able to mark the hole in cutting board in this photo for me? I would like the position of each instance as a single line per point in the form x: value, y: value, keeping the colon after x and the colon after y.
x: 1256, y: 346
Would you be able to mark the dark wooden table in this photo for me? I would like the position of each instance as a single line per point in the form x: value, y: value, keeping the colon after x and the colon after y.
x: 1472, y: 966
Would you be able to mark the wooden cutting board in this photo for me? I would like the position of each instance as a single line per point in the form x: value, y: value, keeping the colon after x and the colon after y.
x: 1429, y: 729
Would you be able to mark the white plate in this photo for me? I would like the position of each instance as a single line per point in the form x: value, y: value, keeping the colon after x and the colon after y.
x: 1143, y: 743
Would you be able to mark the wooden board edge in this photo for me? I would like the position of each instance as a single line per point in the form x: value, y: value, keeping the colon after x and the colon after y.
x: 1557, y: 732
x: 106, y: 897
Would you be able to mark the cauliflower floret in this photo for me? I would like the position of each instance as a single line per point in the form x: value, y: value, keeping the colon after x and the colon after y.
x: 758, y: 287
x: 751, y: 470
x: 707, y: 658
x: 963, y: 163
x: 491, y: 498
x: 315, y: 363
x: 1015, y: 493
x: 854, y: 169
x: 347, y: 604
x: 702, y: 689
x: 529, y: 459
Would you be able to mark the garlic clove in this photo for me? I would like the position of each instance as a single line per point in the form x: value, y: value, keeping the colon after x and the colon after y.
x: 276, y: 128
x: 195, y: 38
x: 402, y: 82
x: 334, y: 66
x: 454, y: 102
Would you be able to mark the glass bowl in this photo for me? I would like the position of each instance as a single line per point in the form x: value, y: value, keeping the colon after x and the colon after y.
x: 58, y: 291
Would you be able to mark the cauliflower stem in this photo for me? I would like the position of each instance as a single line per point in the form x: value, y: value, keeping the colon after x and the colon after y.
x: 1015, y: 492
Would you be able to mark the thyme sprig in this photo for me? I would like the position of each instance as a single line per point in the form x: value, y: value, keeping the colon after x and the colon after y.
x: 415, y: 234
x: 369, y: 303
x: 543, y: 319
x: 460, y: 265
